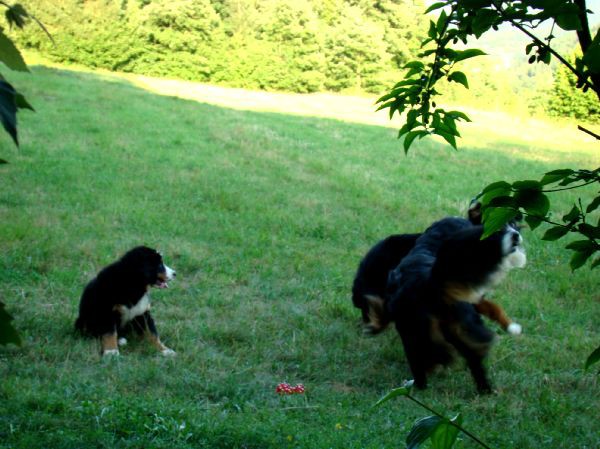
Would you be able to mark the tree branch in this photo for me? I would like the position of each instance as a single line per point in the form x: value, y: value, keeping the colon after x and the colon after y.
x: 595, y: 87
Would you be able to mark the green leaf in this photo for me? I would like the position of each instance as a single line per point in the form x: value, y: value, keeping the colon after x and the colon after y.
x: 590, y: 231
x: 572, y: 216
x: 533, y: 221
x: 22, y: 102
x: 494, y: 219
x: 422, y: 430
x: 555, y: 176
x: 533, y: 202
x: 459, y: 115
x: 579, y: 259
x: 595, y: 263
x: 593, y: 205
x: 16, y: 15
x: 459, y: 77
x: 410, y: 137
x: 8, y: 333
x: 555, y: 233
x: 10, y: 55
x: 441, y: 23
x: 581, y: 245
x: 466, y: 54
x: 448, y: 137
x: 591, y: 58
x: 432, y: 33
x: 527, y: 185
x: 499, y: 185
x: 400, y: 391
x: 435, y: 6
x: 568, y: 19
x: 483, y: 20
x: 594, y: 357
x: 445, y: 435
x: 8, y: 110
x: 414, y: 65
x: 499, y: 201
x: 3, y: 161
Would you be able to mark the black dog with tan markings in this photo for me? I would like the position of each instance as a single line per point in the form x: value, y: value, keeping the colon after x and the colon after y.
x: 117, y: 300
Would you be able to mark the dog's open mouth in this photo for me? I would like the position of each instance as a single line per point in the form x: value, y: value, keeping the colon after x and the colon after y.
x: 161, y: 284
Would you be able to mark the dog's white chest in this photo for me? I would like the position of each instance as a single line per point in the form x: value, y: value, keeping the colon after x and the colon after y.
x: 129, y: 313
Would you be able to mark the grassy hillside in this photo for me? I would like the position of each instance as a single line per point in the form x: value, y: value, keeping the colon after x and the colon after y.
x: 265, y: 217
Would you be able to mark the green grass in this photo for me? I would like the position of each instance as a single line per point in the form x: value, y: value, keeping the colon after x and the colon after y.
x: 265, y: 217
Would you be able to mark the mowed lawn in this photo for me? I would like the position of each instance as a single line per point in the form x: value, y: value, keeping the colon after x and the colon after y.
x: 265, y: 217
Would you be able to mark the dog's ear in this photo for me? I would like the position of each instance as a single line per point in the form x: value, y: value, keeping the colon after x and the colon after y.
x: 475, y: 212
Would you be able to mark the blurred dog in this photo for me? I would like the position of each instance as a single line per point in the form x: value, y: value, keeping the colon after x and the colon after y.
x: 433, y: 291
x: 117, y: 300
x: 370, y: 286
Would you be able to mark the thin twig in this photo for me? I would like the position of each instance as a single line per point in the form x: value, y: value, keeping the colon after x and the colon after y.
x: 542, y: 44
x: 458, y: 426
x: 587, y: 131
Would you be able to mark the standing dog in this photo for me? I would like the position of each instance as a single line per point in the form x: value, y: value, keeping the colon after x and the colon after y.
x: 433, y: 290
x: 117, y: 300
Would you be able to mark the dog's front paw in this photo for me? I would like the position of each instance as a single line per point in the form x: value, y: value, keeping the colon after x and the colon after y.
x: 110, y: 352
x: 514, y: 329
x: 168, y: 352
x: 122, y: 341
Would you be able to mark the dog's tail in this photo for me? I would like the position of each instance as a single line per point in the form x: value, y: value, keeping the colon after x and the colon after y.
x: 377, y: 317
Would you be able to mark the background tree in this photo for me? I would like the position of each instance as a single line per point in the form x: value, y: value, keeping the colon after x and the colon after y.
x: 296, y: 46
x: 416, y: 94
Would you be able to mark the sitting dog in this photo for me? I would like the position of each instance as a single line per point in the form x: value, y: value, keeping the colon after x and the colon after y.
x: 432, y: 292
x: 117, y: 300
x: 369, y: 289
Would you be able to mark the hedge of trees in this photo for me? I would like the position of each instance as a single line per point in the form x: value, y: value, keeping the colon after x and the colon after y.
x: 291, y: 45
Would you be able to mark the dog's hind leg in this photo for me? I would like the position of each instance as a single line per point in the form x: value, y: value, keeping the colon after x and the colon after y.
x: 475, y: 357
x: 415, y: 357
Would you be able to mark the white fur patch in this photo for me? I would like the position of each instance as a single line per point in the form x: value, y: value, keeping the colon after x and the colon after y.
x: 122, y: 341
x: 110, y: 352
x: 168, y: 352
x: 517, y: 259
x: 170, y: 273
x: 128, y: 314
x: 514, y: 329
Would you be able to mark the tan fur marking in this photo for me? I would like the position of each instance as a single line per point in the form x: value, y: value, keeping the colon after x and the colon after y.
x: 155, y: 341
x: 494, y: 312
x: 109, y: 342
x: 461, y: 292
x: 377, y: 321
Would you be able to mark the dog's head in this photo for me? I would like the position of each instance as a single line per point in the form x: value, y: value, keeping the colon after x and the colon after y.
x: 148, y: 263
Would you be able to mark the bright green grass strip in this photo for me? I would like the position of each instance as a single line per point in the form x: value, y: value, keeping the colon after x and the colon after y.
x: 265, y: 217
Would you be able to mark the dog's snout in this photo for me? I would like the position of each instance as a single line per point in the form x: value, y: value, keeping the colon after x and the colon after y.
x: 170, y: 272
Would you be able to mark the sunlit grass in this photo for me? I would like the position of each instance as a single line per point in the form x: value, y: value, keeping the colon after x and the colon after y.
x: 265, y: 217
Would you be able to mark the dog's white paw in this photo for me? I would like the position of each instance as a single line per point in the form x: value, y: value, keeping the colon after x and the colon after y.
x: 168, y: 352
x: 514, y: 329
x: 110, y: 353
x: 122, y: 341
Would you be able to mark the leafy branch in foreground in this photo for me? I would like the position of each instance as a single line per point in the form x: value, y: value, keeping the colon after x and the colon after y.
x: 441, y: 431
x: 415, y: 95
x: 10, y: 99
